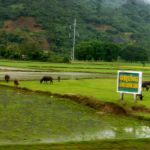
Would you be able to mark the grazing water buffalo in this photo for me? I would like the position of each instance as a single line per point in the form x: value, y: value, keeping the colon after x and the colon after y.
x: 58, y: 78
x: 7, y: 78
x: 46, y: 78
x: 16, y: 82
x: 146, y: 84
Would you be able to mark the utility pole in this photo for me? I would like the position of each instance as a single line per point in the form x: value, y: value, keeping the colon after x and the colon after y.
x: 74, y: 39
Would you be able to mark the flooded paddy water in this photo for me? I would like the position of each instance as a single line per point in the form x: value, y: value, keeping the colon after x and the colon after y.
x: 28, y: 117
x: 35, y: 75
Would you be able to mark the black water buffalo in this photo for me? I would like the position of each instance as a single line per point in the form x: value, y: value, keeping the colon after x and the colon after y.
x: 145, y: 85
x: 7, y: 78
x: 16, y: 82
x: 140, y: 96
x: 58, y: 78
x: 46, y: 78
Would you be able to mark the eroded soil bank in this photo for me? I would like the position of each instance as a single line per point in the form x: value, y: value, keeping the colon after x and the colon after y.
x: 99, y: 105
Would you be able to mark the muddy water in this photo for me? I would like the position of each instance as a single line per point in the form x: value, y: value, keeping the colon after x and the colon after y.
x: 27, y: 117
x: 30, y: 75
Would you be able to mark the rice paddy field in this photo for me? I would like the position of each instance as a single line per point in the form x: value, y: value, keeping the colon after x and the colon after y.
x: 31, y: 120
x: 101, y: 89
x: 96, y: 67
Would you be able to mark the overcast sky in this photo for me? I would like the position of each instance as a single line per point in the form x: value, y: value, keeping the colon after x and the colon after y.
x: 148, y: 1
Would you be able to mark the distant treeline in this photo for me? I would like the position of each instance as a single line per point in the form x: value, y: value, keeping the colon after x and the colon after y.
x: 14, y: 46
x: 108, y: 51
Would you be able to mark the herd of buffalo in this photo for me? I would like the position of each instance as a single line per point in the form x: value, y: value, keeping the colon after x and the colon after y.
x: 43, y: 79
x: 145, y: 84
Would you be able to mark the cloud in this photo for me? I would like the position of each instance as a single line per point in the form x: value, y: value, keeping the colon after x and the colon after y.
x: 146, y: 1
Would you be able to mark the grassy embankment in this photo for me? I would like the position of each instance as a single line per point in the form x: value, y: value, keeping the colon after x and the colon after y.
x: 101, y: 89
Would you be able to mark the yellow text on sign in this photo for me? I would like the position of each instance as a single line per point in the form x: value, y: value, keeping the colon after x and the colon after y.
x: 128, y: 85
x: 129, y: 78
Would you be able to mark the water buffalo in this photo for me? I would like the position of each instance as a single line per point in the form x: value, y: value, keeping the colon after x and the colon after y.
x: 16, y: 82
x: 58, y: 78
x: 140, y: 96
x: 7, y: 78
x: 145, y: 85
x: 46, y: 78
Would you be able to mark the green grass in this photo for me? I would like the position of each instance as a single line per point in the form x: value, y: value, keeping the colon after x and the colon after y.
x: 100, y: 67
x: 98, y: 88
x: 29, y: 117
x: 103, y: 89
x: 142, y: 144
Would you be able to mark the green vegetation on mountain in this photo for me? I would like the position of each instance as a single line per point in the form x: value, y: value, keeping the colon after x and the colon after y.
x: 43, y: 29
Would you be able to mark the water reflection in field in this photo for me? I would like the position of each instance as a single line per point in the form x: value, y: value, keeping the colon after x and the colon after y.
x: 25, y: 75
x: 30, y: 117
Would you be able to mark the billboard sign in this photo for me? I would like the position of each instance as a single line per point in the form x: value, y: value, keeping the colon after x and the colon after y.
x: 129, y: 82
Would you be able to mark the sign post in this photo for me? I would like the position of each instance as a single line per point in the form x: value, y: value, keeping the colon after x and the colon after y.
x: 129, y: 82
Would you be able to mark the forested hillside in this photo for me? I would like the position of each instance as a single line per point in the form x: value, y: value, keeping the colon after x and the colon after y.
x: 28, y: 26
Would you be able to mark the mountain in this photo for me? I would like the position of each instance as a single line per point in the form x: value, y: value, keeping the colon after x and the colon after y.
x: 48, y: 24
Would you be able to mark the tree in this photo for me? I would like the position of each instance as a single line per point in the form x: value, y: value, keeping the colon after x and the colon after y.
x: 96, y: 50
x: 133, y: 53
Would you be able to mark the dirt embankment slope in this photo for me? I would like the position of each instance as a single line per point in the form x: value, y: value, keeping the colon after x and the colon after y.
x: 99, y: 105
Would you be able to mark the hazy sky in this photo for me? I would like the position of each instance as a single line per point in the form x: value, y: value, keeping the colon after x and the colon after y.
x: 148, y: 1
